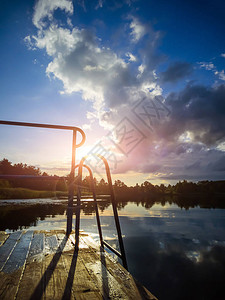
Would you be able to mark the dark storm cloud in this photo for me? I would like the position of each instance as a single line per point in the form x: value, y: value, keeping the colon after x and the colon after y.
x: 197, y: 164
x: 176, y: 71
x: 194, y: 166
x: 151, y: 168
x: 199, y: 110
x: 218, y: 165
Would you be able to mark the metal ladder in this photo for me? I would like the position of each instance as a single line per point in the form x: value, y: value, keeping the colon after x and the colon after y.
x: 80, y: 167
x: 77, y: 208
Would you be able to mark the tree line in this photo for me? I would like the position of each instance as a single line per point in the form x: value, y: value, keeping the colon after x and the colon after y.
x: 143, y: 192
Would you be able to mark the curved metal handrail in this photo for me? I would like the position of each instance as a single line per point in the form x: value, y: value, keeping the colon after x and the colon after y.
x: 116, y: 217
x: 92, y: 186
x: 74, y: 147
x: 71, y: 187
x: 50, y: 126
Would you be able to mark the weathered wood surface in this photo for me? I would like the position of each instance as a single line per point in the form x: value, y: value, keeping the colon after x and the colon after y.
x: 45, y: 265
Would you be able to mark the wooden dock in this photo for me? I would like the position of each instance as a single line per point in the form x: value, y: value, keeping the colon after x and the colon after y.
x: 46, y: 265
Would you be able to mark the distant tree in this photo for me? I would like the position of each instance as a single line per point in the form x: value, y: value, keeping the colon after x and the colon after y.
x: 5, y: 167
x: 119, y: 184
x: 102, y: 187
x: 162, y: 188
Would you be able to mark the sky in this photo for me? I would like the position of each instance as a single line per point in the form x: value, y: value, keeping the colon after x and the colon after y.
x: 144, y: 79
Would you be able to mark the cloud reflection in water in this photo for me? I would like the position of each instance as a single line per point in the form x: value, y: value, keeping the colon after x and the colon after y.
x: 176, y: 253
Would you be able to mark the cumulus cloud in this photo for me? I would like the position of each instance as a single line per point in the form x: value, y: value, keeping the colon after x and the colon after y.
x: 131, y: 57
x: 45, y: 9
x: 221, y: 74
x: 84, y: 65
x: 187, y: 144
x: 138, y: 30
x: 176, y: 71
x: 161, y: 159
x: 204, y: 165
x: 199, y: 110
x: 113, y: 84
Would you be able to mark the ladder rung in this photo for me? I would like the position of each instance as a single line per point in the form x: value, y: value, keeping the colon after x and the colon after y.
x: 112, y: 249
x: 74, y: 208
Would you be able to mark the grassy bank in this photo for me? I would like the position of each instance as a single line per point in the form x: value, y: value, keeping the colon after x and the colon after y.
x: 21, y: 193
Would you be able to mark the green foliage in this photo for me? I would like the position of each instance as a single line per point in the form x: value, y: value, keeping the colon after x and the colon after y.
x: 6, y: 168
x: 20, y: 193
x: 31, y: 188
x: 4, y: 184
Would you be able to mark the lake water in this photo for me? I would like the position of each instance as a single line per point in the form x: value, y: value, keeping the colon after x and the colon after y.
x: 175, y: 253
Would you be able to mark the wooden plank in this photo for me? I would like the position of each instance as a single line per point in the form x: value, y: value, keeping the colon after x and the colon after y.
x: 13, y: 269
x: 79, y: 281
x: 108, y: 285
x: 51, y: 243
x: 45, y: 275
x: 7, y: 248
x: 55, y: 270
x: 33, y: 272
x: 36, y: 247
x: 19, y: 254
x: 125, y: 280
x: 55, y: 273
x: 66, y: 247
x: 82, y: 245
x: 31, y: 281
x: 8, y: 284
x: 80, y: 284
x: 50, y: 262
x: 64, y: 243
x: 128, y: 283
x: 40, y: 269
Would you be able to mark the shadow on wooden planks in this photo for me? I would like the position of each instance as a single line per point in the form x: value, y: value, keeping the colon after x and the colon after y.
x: 48, y: 265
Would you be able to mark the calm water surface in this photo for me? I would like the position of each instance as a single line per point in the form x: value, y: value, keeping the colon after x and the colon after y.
x: 175, y: 253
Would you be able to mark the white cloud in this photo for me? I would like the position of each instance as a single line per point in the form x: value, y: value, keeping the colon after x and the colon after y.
x: 46, y: 8
x: 141, y: 69
x: 131, y: 57
x: 211, y: 67
x: 220, y: 74
x: 84, y: 65
x: 86, y: 127
x: 223, y: 55
x: 79, y: 59
x: 208, y: 66
x: 29, y: 43
x: 138, y: 30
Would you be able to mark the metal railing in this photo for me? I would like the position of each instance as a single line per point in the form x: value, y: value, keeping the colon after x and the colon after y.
x: 74, y: 147
x: 122, y: 255
x: 70, y: 207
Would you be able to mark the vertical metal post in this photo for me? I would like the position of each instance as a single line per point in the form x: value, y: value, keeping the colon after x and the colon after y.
x: 72, y: 173
x: 116, y: 217
x: 71, y: 186
x: 92, y: 186
x: 78, y: 206
x: 97, y: 213
x: 77, y: 222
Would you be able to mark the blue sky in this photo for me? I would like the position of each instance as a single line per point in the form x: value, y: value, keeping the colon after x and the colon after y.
x: 101, y: 65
